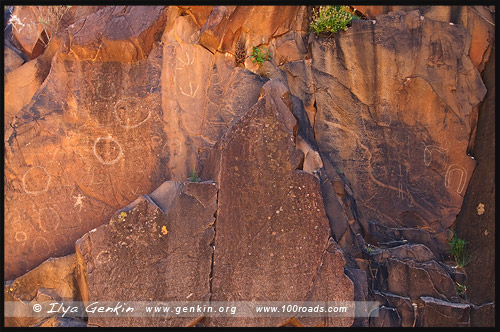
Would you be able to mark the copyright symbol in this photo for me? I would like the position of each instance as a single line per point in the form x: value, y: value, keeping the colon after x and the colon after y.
x: 37, y: 307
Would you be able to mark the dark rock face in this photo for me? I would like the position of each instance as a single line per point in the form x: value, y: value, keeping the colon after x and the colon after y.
x: 476, y: 221
x: 272, y: 241
x: 397, y: 132
x: 437, y: 313
x: 156, y: 249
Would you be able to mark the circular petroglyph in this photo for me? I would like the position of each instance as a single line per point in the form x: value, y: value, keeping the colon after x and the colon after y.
x: 131, y: 112
x: 105, y: 89
x: 107, y: 150
x: 49, y: 219
x: 36, y: 180
x: 20, y: 236
x: 41, y: 246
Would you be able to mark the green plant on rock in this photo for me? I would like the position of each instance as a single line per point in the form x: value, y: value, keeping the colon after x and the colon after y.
x: 260, y: 54
x: 194, y: 176
x: 331, y: 19
x: 461, y: 289
x: 459, y: 251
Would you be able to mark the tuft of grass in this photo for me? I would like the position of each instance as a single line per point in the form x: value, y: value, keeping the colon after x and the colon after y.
x: 194, y: 176
x: 459, y: 251
x: 331, y: 19
x: 260, y: 54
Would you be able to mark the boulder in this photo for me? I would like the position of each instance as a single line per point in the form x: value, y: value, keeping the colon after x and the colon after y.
x: 405, y: 156
x: 159, y: 248
x: 483, y: 315
x: 273, y: 239
x: 54, y: 279
x: 385, y: 317
x: 434, y: 312
x: 414, y: 279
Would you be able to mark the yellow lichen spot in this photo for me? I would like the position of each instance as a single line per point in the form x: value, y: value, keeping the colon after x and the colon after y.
x: 164, y: 230
x: 480, y: 209
x: 11, y: 289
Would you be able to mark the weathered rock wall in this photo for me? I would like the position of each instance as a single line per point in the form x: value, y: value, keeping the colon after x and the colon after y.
x: 355, y: 147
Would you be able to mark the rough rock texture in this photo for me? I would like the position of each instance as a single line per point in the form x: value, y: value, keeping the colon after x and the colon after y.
x: 479, y: 20
x: 54, y: 279
x: 272, y: 240
x: 125, y: 127
x: 226, y: 25
x: 111, y: 131
x: 117, y: 33
x: 124, y: 98
x: 62, y: 322
x: 476, y: 222
x: 437, y: 313
x: 405, y: 156
x: 11, y: 59
x: 202, y: 94
x: 156, y: 249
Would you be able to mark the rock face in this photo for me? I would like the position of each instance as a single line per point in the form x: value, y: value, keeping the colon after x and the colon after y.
x: 479, y: 20
x: 352, y: 152
x: 156, y: 249
x: 53, y: 280
x: 476, y: 221
x: 272, y: 240
x: 125, y: 127
x: 405, y: 156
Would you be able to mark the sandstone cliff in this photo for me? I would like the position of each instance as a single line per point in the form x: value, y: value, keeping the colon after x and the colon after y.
x: 143, y: 143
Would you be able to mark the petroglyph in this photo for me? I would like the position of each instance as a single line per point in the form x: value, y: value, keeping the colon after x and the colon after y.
x: 131, y: 112
x: 105, y: 89
x: 186, y: 63
x: 49, y: 220
x: 20, y: 236
x: 41, y: 245
x: 192, y: 93
x: 461, y: 175
x: 107, y: 150
x: 440, y: 155
x: 79, y: 201
x: 36, y: 180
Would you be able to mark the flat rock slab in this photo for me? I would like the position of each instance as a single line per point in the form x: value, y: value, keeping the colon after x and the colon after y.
x: 156, y: 249
x: 273, y: 238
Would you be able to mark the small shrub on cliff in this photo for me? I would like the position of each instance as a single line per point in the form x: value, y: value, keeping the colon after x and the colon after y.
x: 458, y: 250
x: 331, y: 19
x: 194, y: 176
x: 260, y: 54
